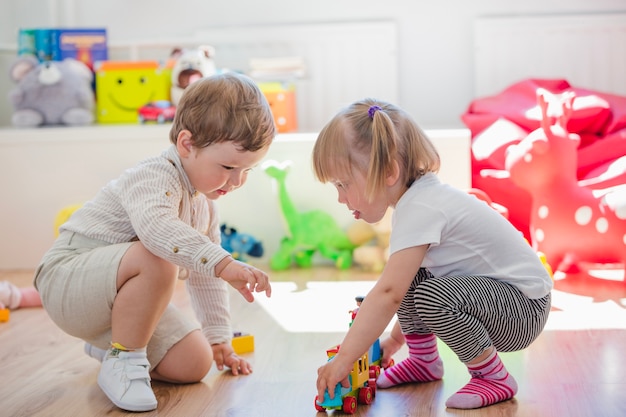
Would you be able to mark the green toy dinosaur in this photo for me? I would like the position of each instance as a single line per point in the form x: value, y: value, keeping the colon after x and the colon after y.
x: 309, y: 232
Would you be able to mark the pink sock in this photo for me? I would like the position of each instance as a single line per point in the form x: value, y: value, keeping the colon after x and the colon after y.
x: 490, y: 384
x: 422, y: 365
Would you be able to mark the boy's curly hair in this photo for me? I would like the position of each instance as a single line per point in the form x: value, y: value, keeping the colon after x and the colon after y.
x: 225, y: 107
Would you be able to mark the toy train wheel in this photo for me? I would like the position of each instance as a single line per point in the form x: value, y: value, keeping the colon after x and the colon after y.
x: 366, y: 396
x: 371, y: 383
x: 374, y: 371
x: 349, y: 405
x: 317, y: 406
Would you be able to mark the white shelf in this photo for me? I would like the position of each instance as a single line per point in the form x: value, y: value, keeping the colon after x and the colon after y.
x: 43, y: 170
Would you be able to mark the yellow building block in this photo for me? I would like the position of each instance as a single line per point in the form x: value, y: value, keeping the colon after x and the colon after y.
x: 243, y: 343
x: 4, y: 314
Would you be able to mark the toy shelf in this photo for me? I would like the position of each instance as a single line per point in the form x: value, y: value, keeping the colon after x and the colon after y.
x: 46, y: 169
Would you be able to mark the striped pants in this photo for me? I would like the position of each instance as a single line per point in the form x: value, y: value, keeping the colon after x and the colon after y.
x: 472, y: 313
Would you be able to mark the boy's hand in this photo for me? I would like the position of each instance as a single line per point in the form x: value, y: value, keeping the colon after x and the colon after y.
x: 329, y: 375
x: 388, y: 346
x: 246, y: 279
x: 224, y: 355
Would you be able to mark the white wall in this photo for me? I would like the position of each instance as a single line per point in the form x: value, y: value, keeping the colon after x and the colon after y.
x: 45, y: 170
x: 435, y: 47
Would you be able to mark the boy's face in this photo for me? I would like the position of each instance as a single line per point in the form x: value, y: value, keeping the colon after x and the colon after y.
x: 219, y: 168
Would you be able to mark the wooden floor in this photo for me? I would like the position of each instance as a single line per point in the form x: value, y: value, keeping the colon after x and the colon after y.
x: 576, y: 368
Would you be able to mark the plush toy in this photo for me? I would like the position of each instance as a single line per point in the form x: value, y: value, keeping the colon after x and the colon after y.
x: 498, y: 121
x: 569, y: 223
x: 13, y: 297
x: 309, y: 232
x: 240, y: 245
x: 51, y: 92
x: 372, y: 252
x: 190, y: 65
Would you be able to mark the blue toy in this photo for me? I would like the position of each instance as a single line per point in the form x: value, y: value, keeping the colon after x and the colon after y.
x: 240, y: 244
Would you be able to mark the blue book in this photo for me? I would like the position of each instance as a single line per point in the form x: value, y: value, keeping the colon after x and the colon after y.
x: 42, y: 44
x: 88, y: 45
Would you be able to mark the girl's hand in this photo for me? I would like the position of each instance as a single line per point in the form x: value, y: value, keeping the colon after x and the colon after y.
x: 329, y: 375
x: 224, y: 355
x: 246, y: 279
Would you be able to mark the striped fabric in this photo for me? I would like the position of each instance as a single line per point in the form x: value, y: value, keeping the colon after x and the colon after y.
x: 472, y: 313
x: 155, y: 203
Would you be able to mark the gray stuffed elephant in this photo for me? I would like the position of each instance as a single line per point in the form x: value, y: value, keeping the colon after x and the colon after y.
x: 51, y: 93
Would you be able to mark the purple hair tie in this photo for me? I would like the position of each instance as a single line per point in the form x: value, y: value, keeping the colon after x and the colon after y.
x: 373, y: 110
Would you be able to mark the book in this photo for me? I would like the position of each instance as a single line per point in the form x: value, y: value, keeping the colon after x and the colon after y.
x: 88, y: 45
x: 26, y: 42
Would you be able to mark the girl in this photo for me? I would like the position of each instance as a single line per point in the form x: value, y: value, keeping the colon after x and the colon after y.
x: 109, y: 277
x: 457, y: 270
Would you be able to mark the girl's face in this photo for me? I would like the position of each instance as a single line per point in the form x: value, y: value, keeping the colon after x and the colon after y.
x: 218, y: 169
x: 351, y: 192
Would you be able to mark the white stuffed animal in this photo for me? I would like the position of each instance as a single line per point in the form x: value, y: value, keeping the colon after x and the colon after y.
x: 190, y: 65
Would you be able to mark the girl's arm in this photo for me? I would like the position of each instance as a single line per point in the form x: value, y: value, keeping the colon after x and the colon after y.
x: 375, y: 313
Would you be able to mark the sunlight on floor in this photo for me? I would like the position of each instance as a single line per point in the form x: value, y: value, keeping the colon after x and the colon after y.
x: 575, y: 312
x: 319, y: 307
x: 324, y: 306
x: 593, y: 301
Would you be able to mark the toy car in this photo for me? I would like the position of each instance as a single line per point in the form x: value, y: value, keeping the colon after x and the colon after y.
x: 159, y: 111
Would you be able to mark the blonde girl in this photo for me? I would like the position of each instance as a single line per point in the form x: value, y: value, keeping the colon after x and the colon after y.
x: 458, y: 271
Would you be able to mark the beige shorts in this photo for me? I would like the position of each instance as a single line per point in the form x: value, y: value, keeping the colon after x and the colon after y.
x: 77, y: 282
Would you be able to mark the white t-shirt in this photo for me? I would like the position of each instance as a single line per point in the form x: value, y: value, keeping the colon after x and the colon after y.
x: 466, y: 237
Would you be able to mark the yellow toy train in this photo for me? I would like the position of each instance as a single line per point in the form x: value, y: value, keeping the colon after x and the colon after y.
x: 362, y: 379
x: 365, y: 372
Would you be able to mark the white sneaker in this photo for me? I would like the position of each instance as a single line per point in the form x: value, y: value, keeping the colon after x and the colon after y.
x: 125, y: 379
x: 94, y: 352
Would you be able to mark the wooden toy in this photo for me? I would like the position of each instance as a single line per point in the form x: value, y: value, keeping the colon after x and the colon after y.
x: 569, y: 223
